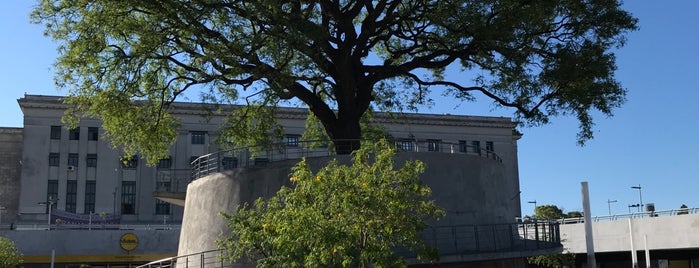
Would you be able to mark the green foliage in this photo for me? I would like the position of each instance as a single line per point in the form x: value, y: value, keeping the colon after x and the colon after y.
x: 565, y: 259
x: 10, y: 257
x: 574, y: 214
x: 341, y: 216
x: 125, y: 61
x: 548, y: 212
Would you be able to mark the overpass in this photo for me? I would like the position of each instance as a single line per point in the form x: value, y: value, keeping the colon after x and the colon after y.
x: 671, y: 236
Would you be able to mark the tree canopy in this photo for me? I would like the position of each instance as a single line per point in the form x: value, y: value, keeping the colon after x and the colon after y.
x: 548, y: 212
x: 10, y: 257
x: 126, y: 61
x: 341, y: 216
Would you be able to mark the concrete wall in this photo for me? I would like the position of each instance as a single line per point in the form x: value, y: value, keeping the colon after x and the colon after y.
x: 472, y: 190
x: 10, y: 166
x: 671, y: 232
x: 91, y: 242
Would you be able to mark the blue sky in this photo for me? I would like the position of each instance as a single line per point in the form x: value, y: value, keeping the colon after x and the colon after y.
x: 650, y: 141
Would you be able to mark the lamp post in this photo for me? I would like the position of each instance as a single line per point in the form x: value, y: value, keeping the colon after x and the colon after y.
x: 533, y: 202
x: 50, y: 203
x: 633, y: 206
x: 609, y: 205
x: 640, y: 197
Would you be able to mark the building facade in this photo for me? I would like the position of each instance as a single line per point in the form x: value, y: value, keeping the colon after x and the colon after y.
x: 77, y: 171
x: 75, y: 175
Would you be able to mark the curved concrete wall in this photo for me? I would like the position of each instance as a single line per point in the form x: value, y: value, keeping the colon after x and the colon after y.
x: 472, y: 190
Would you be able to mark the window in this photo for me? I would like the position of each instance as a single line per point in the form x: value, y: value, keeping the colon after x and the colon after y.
x: 406, y: 145
x: 260, y: 161
x: 198, y: 137
x: 74, y: 134
x: 462, y: 146
x: 55, y: 132
x: 91, y: 160
x: 229, y: 163
x: 128, y: 197
x: 71, y: 195
x: 165, y: 163
x: 130, y: 163
x: 489, y: 146
x: 52, y: 194
x: 73, y: 160
x: 92, y: 133
x: 433, y: 145
x: 54, y: 159
x: 292, y: 140
x: 161, y: 207
x: 476, y: 147
x: 89, y: 197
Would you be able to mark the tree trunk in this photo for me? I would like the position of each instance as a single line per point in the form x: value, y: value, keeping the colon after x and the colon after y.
x: 346, y: 134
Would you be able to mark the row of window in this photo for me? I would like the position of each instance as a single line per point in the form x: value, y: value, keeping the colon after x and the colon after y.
x: 128, y: 197
x: 55, y: 160
x: 74, y: 134
x: 434, y: 145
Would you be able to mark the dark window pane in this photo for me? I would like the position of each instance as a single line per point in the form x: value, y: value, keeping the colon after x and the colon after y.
x: 52, y: 194
x: 165, y: 163
x: 74, y: 134
x: 71, y: 195
x: 55, y: 132
x: 462, y: 146
x: 292, y: 140
x: 128, y: 197
x: 92, y: 133
x: 433, y: 145
x: 229, y: 163
x: 476, y: 147
x: 72, y: 160
x: 89, y: 197
x: 91, y: 160
x: 54, y: 159
x: 131, y: 163
x: 406, y: 145
x: 198, y: 137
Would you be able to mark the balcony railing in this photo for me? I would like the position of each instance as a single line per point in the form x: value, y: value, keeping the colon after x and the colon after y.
x: 449, y: 240
x: 263, y: 154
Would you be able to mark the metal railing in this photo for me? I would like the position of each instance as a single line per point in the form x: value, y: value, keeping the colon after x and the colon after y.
x: 209, y: 259
x: 633, y: 215
x: 476, y: 239
x: 260, y: 155
x: 449, y: 240
x: 93, y: 226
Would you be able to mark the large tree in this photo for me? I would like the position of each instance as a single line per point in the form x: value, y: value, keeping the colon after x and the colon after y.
x: 126, y: 61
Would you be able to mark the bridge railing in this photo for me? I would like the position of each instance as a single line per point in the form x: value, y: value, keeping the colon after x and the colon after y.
x: 449, y: 240
x: 634, y: 215
x: 262, y: 154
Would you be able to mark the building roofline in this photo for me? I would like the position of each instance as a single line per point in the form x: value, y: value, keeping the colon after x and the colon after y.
x: 199, y: 108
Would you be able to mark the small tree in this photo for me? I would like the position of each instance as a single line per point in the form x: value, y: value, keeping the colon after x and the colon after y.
x: 10, y: 257
x: 548, y: 212
x: 349, y: 216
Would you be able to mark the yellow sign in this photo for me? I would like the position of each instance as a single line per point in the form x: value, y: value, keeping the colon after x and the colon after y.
x: 128, y: 241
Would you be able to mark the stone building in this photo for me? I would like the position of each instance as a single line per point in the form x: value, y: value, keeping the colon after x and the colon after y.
x: 75, y: 175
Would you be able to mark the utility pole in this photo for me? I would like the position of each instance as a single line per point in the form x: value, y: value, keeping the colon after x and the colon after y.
x: 640, y: 197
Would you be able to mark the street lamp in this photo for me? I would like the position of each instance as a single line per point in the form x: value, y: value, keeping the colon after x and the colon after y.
x: 640, y: 197
x: 50, y: 203
x: 633, y: 206
x: 533, y: 202
x: 609, y: 205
